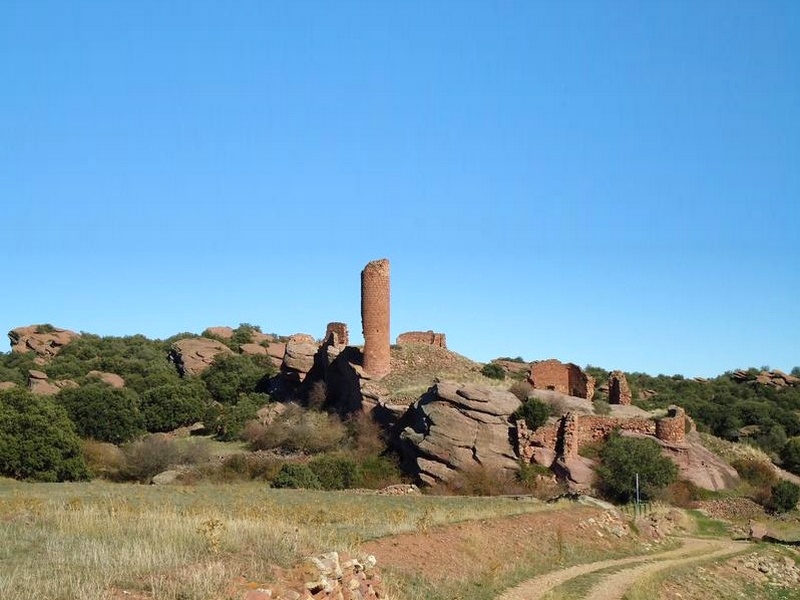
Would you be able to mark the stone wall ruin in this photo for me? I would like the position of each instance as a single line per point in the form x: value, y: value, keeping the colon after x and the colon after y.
x: 336, y: 334
x: 618, y: 390
x: 566, y: 378
x: 429, y: 338
x: 672, y: 428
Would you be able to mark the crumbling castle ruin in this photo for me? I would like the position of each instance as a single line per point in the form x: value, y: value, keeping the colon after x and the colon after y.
x: 566, y: 378
x: 375, y: 318
x: 428, y: 338
x: 618, y: 390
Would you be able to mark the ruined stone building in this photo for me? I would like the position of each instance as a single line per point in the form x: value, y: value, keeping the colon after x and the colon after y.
x: 566, y: 378
x: 429, y: 338
x: 375, y: 318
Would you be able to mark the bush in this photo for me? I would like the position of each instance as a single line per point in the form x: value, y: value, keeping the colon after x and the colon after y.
x: 298, y: 430
x: 521, y: 389
x: 174, y: 405
x: 103, y: 413
x: 232, y: 375
x: 227, y: 421
x: 379, y: 471
x: 790, y: 455
x: 294, y: 475
x: 493, y: 371
x: 623, y: 457
x: 103, y: 459
x: 149, y: 456
x: 336, y: 472
x: 757, y: 473
x: 534, y: 412
x: 37, y: 439
x: 785, y: 496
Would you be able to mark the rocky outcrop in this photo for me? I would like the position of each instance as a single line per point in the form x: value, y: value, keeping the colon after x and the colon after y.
x: 223, y: 333
x: 454, y: 428
x: 699, y: 465
x: 192, y: 356
x: 298, y: 358
x: 112, y: 379
x: 40, y: 384
x: 774, y: 378
x: 7, y: 385
x: 45, y: 340
x: 253, y: 349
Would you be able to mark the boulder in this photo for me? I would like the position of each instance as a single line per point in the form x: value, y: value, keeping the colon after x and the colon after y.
x: 7, y: 385
x: 253, y: 349
x: 223, y: 333
x: 44, y: 340
x: 454, y: 428
x: 276, y: 351
x: 39, y: 383
x: 112, y: 379
x: 298, y: 358
x: 192, y: 356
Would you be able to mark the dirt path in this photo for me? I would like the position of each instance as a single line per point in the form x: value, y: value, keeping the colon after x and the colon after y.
x: 615, y: 585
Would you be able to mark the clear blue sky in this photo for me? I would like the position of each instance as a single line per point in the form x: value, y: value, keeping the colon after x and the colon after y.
x: 607, y: 183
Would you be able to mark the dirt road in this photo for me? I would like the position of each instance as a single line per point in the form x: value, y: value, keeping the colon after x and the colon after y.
x: 614, y: 585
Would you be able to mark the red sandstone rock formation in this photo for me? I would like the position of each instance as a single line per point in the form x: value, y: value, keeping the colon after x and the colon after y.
x: 40, y: 384
x: 299, y: 356
x: 45, y: 340
x: 192, y: 356
x: 429, y: 338
x: 112, y: 379
x: 567, y: 378
x: 454, y: 428
x: 618, y: 390
x: 375, y: 318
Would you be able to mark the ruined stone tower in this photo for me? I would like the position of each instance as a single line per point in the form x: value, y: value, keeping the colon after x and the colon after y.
x: 375, y: 317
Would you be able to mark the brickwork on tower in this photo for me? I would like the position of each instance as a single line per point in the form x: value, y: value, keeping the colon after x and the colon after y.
x: 429, y: 338
x: 375, y: 317
x: 336, y: 334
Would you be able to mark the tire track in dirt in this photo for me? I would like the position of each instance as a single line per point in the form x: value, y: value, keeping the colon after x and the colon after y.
x: 693, y: 549
x: 615, y: 585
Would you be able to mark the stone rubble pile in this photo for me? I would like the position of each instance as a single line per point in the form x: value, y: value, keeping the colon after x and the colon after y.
x: 328, y: 576
x: 779, y: 571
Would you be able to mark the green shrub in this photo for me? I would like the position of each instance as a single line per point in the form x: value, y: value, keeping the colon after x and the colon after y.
x: 785, y: 496
x: 521, y: 389
x: 227, y: 421
x: 336, y: 472
x: 757, y: 473
x: 623, y: 457
x: 173, y: 405
x: 103, y: 413
x: 790, y: 455
x: 148, y: 457
x: 379, y: 471
x: 493, y: 371
x: 299, y: 430
x: 534, y: 412
x: 37, y: 439
x: 232, y: 375
x: 601, y: 407
x: 294, y: 475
